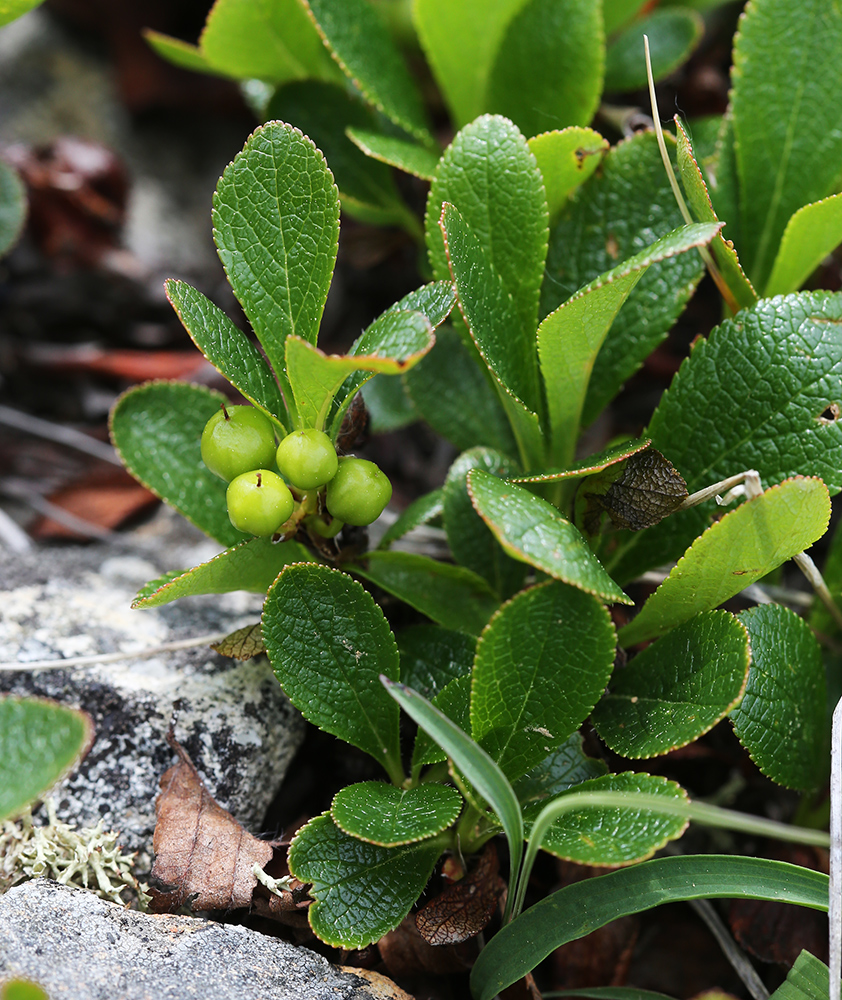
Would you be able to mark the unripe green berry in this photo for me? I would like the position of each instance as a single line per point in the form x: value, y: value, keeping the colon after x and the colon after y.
x: 259, y: 502
x: 307, y: 458
x: 237, y: 439
x: 359, y: 491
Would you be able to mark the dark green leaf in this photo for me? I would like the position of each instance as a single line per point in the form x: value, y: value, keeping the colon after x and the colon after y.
x: 156, y: 428
x: 565, y: 767
x: 422, y: 510
x: 12, y: 205
x: 382, y: 814
x: 401, y: 153
x: 578, y: 909
x: 227, y: 348
x: 451, y: 595
x: 362, y: 891
x: 329, y: 643
x: 673, y: 35
x: 733, y: 553
x: 812, y: 233
x: 431, y: 657
x: 548, y: 69
x: 532, y: 530
x: 388, y: 403
x: 676, y: 689
x: 781, y: 718
x: 808, y: 979
x: 434, y: 300
x: 612, y: 455
x: 566, y: 159
x: 471, y: 542
x: 250, y: 565
x: 454, y: 701
x: 40, y: 741
x: 360, y: 43
x: 541, y: 665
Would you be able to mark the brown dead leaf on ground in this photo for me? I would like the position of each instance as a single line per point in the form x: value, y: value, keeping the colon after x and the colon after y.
x: 203, y: 856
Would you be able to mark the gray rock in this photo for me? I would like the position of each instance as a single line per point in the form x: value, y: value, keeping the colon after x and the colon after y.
x: 232, y: 717
x: 80, y: 947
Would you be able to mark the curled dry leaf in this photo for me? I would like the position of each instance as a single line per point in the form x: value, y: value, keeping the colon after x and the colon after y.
x: 243, y: 644
x: 203, y: 856
x: 464, y: 908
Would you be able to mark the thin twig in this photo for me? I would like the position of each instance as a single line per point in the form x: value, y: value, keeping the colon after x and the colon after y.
x: 735, y: 955
x: 131, y: 654
x: 59, y: 433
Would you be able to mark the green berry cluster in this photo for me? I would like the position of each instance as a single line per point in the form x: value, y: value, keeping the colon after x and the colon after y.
x: 238, y: 445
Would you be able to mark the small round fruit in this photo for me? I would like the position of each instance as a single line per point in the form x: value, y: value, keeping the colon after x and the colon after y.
x: 307, y: 458
x: 259, y: 502
x: 237, y: 439
x: 359, y: 492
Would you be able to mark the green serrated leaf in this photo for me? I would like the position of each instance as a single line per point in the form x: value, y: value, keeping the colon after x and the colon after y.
x: 533, y: 531
x: 251, y: 565
x: 612, y: 455
x: 227, y: 348
x: 454, y: 701
x: 570, y: 338
x: 676, y: 689
x: 733, y: 553
x: 763, y: 392
x: 602, y: 836
x: 156, y: 429
x: 432, y: 656
x: 576, y: 910
x: 242, y: 644
x: 362, y: 891
x: 382, y: 814
x: 359, y: 41
x: 787, y: 131
x: 542, y: 663
x: 396, y: 152
x: 149, y: 588
x: 548, y: 69
x: 272, y: 40
x: 781, y: 718
x: 180, y: 53
x: 566, y: 159
x: 12, y: 205
x: 451, y: 595
x: 470, y: 540
x: 812, y: 233
x: 673, y: 35
x: 619, y: 211
x: 276, y: 227
x: 566, y: 766
x: 40, y: 741
x: 329, y: 642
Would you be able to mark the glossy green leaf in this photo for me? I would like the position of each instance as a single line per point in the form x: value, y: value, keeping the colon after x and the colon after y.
x: 362, y: 891
x: 40, y: 741
x: 471, y: 542
x: 676, y: 689
x: 566, y: 766
x: 570, y: 338
x: 156, y: 429
x: 392, y: 344
x: 12, y: 207
x: 548, y: 68
x: 733, y: 553
x: 251, y: 565
x: 603, y: 836
x: 329, y: 642
x: 396, y: 152
x: 422, y: 510
x: 566, y: 158
x: 763, y: 392
x: 434, y: 300
x: 576, y: 910
x: 179, y: 52
x: 781, y: 718
x: 532, y: 530
x: 542, y: 663
x: 227, y: 348
x: 383, y: 814
x: 808, y: 979
x: 673, y: 35
x: 272, y: 40
x: 454, y: 701
x: 787, y: 131
x: 431, y: 657
x: 12, y: 9
x: 720, y: 170
x: 812, y: 233
x: 612, y: 455
x: 622, y: 209
x: 360, y: 42
x: 698, y: 199
x: 276, y: 227
x: 451, y: 595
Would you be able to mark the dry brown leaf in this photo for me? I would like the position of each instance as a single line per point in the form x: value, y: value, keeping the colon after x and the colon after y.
x: 464, y: 908
x: 203, y: 856
x: 243, y: 644
x: 406, y: 953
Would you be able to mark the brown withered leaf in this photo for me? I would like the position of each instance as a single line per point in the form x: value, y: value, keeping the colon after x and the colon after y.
x: 464, y: 908
x: 243, y: 644
x: 203, y: 856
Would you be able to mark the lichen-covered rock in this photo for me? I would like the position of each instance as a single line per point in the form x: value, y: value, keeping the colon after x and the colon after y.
x: 231, y: 717
x: 80, y: 947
